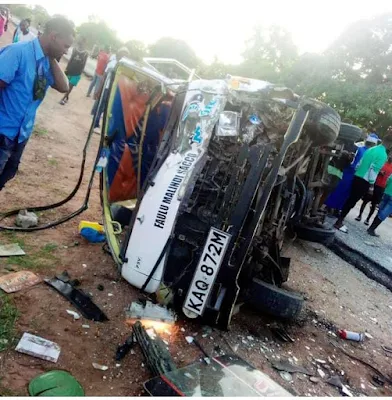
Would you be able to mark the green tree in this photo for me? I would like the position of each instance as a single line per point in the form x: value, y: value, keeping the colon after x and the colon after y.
x: 99, y: 33
x: 269, y: 54
x: 40, y: 15
x: 167, y: 47
x: 363, y: 51
x: 353, y: 75
x: 21, y: 10
x: 137, y: 49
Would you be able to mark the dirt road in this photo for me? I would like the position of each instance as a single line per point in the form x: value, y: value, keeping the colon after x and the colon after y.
x: 338, y: 296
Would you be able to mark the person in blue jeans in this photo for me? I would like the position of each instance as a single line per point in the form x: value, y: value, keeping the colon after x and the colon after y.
x: 27, y: 69
x: 385, y: 209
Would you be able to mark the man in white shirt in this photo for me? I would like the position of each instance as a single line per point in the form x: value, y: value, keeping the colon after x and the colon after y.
x: 23, y: 33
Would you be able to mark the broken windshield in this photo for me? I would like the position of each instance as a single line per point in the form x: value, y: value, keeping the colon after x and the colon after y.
x: 225, y: 376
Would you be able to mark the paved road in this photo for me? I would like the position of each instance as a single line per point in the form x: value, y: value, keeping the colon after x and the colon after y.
x: 378, y: 249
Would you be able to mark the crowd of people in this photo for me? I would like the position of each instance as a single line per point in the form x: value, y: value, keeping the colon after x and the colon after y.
x: 367, y: 177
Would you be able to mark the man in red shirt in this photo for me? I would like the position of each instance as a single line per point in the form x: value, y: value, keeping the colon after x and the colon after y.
x: 102, y: 60
x: 378, y: 191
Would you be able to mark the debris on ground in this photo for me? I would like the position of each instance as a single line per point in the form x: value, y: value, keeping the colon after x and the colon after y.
x: 321, y: 373
x: 379, y: 373
x: 124, y: 349
x: 92, y: 231
x: 17, y: 281
x: 79, y: 299
x: 159, y: 360
x: 74, y: 314
x: 100, y: 288
x: 9, y: 250
x: 239, y: 379
x: 378, y: 381
x: 286, y: 365
x: 191, y: 339
x: 26, y: 219
x: 100, y: 367
x: 335, y: 381
x: 368, y: 335
x: 346, y: 391
x: 314, y: 379
x: 55, y: 384
x: 286, y: 376
x: 38, y: 347
x: 387, y: 349
x: 150, y: 312
x: 66, y: 278
x: 282, y: 334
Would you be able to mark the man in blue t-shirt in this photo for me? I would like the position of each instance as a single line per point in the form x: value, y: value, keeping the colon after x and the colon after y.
x: 27, y: 69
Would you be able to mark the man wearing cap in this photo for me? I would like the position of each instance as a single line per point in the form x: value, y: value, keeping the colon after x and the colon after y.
x: 365, y: 176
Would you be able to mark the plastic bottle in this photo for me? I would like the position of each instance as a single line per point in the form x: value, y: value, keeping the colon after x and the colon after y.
x: 348, y: 335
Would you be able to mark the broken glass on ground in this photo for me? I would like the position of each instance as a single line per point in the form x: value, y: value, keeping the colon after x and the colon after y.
x: 224, y: 376
x: 38, y: 347
x: 150, y: 312
x: 11, y: 283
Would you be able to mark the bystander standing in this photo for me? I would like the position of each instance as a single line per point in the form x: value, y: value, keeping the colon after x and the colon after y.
x: 27, y: 69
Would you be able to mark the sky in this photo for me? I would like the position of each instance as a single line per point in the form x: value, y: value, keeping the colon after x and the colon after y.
x: 220, y: 28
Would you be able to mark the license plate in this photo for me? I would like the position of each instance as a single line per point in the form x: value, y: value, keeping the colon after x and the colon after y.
x: 206, y: 271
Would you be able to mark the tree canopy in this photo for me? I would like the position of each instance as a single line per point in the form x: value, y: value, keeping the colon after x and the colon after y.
x: 168, y: 47
x: 353, y: 75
